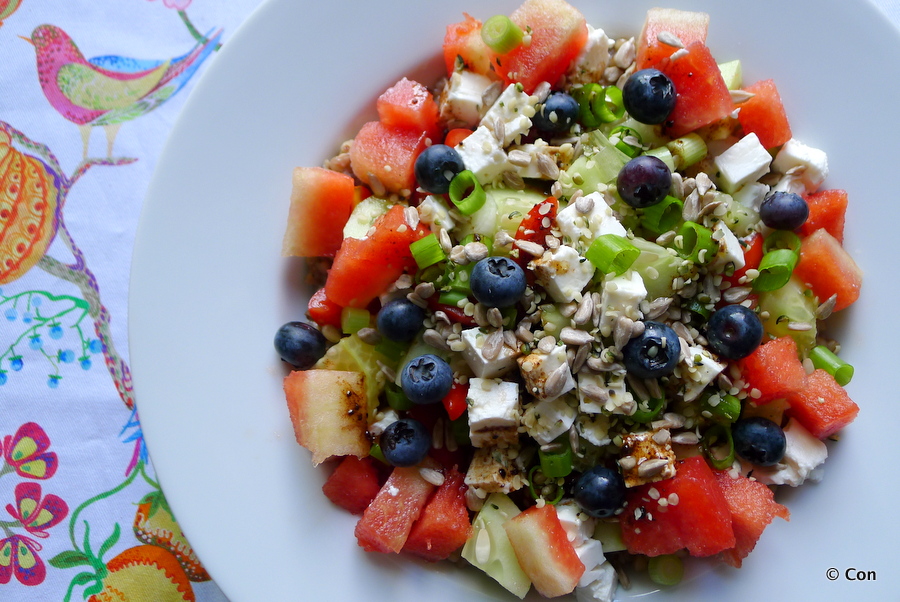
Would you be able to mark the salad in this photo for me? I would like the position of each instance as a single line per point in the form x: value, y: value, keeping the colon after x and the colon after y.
x: 571, y: 303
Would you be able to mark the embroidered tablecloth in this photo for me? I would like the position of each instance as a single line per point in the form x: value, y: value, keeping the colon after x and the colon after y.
x: 88, y: 93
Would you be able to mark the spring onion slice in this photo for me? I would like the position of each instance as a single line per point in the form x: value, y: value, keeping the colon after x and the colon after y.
x: 781, y: 239
x: 712, y: 442
x: 607, y: 105
x: 722, y: 408
x: 427, y: 251
x: 699, y: 308
x: 697, y: 243
x: 662, y: 216
x: 392, y: 350
x: 452, y: 297
x: 667, y: 569
x: 688, y: 150
x: 585, y: 95
x: 501, y: 35
x: 622, y: 136
x: 647, y: 411
x: 354, y: 319
x: 775, y: 270
x: 663, y: 154
x: 466, y: 192
x: 824, y: 359
x: 537, y: 474
x: 375, y: 452
x: 396, y: 398
x: 611, y: 253
x: 556, y: 464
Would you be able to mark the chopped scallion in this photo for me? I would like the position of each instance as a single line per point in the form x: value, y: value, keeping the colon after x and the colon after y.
x: 697, y: 243
x: 396, y: 398
x: 542, y: 486
x: 662, y: 216
x: 781, y: 239
x: 775, y: 270
x: 626, y: 140
x: 667, y: 569
x: 501, y: 34
x: 375, y: 452
x: 427, y: 251
x: 392, y: 350
x: 699, y: 308
x: 354, y: 319
x: 663, y: 154
x: 723, y: 408
x: 824, y: 359
x: 688, y: 150
x: 611, y: 253
x: 466, y: 192
x: 452, y: 297
x: 556, y: 464
x: 608, y: 105
x: 718, y: 446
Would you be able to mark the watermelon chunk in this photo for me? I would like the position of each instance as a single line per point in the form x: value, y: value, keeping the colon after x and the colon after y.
x: 702, y: 95
x: 695, y: 515
x: 384, y: 157
x: 687, y: 26
x: 353, y: 484
x: 409, y: 104
x: 544, y: 551
x: 753, y: 507
x: 387, y: 522
x: 774, y: 369
x: 464, y: 47
x: 827, y: 209
x: 444, y: 525
x: 822, y: 406
x: 321, y: 203
x: 764, y: 115
x: 558, y: 33
x: 322, y: 310
x: 828, y: 269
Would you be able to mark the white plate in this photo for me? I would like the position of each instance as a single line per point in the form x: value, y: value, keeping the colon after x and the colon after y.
x: 209, y: 289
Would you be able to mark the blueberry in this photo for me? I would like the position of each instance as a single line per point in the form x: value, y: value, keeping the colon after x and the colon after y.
x: 734, y: 332
x: 497, y: 281
x: 759, y: 440
x: 557, y: 114
x: 436, y: 166
x: 426, y: 379
x: 600, y: 491
x: 400, y: 320
x: 649, y: 96
x: 299, y: 344
x: 644, y: 181
x: 405, y: 442
x: 653, y: 353
x: 783, y: 211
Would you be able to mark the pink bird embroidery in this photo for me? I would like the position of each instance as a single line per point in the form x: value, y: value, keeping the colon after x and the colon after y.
x: 106, y: 91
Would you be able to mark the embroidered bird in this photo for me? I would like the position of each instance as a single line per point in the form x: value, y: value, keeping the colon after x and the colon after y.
x: 108, y: 90
x: 7, y: 8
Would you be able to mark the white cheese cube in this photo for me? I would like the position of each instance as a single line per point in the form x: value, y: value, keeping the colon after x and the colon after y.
x: 591, y: 62
x: 805, y: 167
x: 483, y: 155
x: 594, y: 428
x: 579, y: 527
x: 493, y: 412
x: 514, y: 109
x: 495, y: 469
x: 587, y: 226
x: 601, y: 584
x: 538, y: 368
x: 546, y: 420
x: 474, y: 339
x: 697, y: 370
x: 563, y: 272
x: 461, y: 101
x: 745, y: 161
x: 751, y: 195
x: 730, y: 249
x: 433, y: 211
x: 803, y: 455
x: 604, y: 394
x: 621, y: 296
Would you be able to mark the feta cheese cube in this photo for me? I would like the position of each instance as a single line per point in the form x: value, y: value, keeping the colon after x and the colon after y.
x: 540, y: 160
x: 493, y: 412
x: 621, y: 296
x: 483, y: 155
x: 605, y: 393
x: 593, y: 59
x: 540, y: 369
x: 730, y: 249
x: 546, y: 420
x: 697, y: 369
x: 803, y: 455
x: 495, y: 469
x: 647, y: 457
x: 751, y: 195
x: 586, y: 227
x: 601, y: 586
x: 514, y: 109
x: 474, y: 339
x: 433, y: 211
x: 804, y: 167
x: 461, y: 102
x: 594, y: 428
x: 745, y: 161
x: 563, y: 272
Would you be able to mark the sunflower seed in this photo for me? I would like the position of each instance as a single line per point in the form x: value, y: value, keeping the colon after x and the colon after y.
x: 495, y: 318
x: 547, y: 167
x: 624, y: 56
x: 825, y: 310
x: 736, y: 294
x: 411, y: 214
x: 581, y: 357
x: 627, y: 462
x: 584, y: 204
x: 686, y: 438
x: 669, y: 39
x: 585, y: 310
x: 519, y: 158
x: 513, y: 180
x: 594, y: 393
x: 799, y: 326
x: 432, y: 337
x: 475, y: 251
x: 547, y: 344
x: 651, y: 468
x: 369, y: 336
x: 532, y: 248
x: 739, y: 96
x: 417, y: 300
x: 425, y: 290
x: 571, y: 336
x: 493, y: 344
x: 523, y: 333
x: 691, y: 210
x: 622, y: 331
x: 387, y: 370
x: 554, y: 384
x: 509, y: 339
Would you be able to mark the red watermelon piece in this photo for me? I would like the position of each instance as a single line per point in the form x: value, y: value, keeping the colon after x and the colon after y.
x: 353, y: 484
x: 774, y: 369
x: 444, y: 525
x: 822, y: 405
